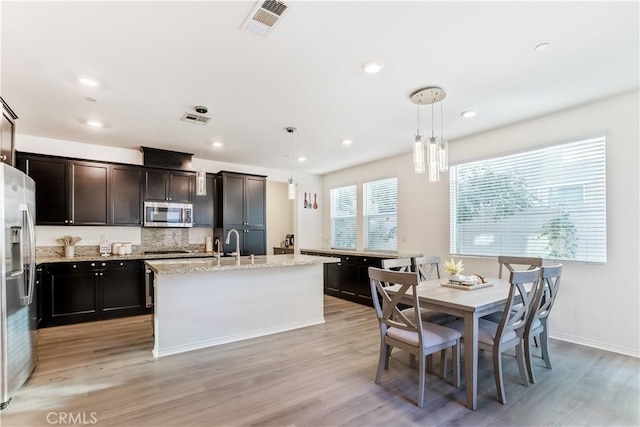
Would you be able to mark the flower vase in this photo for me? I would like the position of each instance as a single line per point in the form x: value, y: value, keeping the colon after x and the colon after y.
x: 456, y: 278
x: 69, y: 251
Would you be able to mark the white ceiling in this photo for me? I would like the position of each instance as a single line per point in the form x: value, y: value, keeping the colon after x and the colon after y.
x: 157, y: 60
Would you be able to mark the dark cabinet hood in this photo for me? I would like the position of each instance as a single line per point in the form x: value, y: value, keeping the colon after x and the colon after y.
x: 154, y: 157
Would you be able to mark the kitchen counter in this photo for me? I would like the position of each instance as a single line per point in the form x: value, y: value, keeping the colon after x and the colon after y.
x: 180, y: 266
x: 203, y: 303
x: 42, y: 259
x: 373, y: 254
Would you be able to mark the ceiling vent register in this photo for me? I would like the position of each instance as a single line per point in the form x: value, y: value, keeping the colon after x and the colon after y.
x: 195, y: 118
x: 264, y: 17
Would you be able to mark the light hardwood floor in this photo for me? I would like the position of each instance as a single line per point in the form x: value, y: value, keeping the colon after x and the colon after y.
x: 316, y: 376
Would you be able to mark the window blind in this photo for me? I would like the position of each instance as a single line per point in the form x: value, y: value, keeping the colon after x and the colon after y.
x: 548, y: 202
x: 381, y: 215
x: 343, y: 217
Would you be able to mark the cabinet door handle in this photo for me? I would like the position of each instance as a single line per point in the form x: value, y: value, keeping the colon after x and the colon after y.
x: 93, y: 264
x: 122, y: 263
x: 74, y: 266
x: 70, y: 221
x: 66, y: 221
x: 103, y: 264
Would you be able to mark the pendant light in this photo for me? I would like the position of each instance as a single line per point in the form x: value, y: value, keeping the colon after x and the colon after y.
x: 437, y: 156
x: 291, y: 186
x: 201, y: 174
x: 419, y: 165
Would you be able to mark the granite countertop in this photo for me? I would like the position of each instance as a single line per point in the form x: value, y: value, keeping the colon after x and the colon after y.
x: 374, y: 254
x: 97, y: 257
x: 178, y: 266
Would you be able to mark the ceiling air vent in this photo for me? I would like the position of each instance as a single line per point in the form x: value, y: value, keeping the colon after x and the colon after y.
x: 195, y: 118
x: 264, y: 17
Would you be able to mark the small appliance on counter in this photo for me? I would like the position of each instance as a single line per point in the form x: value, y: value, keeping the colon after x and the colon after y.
x: 288, y: 241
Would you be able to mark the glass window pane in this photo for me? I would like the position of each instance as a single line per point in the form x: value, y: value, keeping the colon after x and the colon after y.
x: 548, y: 202
x: 380, y: 215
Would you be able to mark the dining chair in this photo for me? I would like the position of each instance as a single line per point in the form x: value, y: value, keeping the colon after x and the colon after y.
x: 509, y: 261
x: 397, y: 264
x: 509, y: 333
x: 426, y: 266
x: 537, y: 323
x: 415, y: 336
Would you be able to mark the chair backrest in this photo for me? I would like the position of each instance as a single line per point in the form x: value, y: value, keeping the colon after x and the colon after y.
x: 425, y: 267
x: 386, y: 306
x: 516, y: 319
x: 397, y: 264
x: 510, y: 261
x: 546, y: 292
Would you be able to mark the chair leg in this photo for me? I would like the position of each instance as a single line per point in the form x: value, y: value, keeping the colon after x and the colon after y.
x: 443, y: 363
x: 456, y: 364
x: 527, y: 357
x: 386, y: 356
x: 383, y: 361
x: 430, y: 363
x: 421, y: 376
x: 544, y: 347
x: 535, y: 341
x: 497, y: 372
x: 520, y: 358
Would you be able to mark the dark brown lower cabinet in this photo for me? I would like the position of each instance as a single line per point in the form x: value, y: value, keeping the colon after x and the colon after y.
x: 349, y: 278
x: 91, y: 290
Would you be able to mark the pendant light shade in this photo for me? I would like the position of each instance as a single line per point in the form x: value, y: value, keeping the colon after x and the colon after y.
x: 291, y: 186
x: 419, y: 164
x: 437, y: 148
x: 291, y: 189
x: 201, y: 182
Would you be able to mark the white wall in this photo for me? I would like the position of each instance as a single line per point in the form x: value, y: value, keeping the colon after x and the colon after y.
x: 279, y: 214
x: 598, y: 305
x: 277, y: 222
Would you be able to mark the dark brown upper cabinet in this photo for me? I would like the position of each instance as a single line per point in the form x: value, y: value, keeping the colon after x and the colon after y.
x: 7, y: 134
x: 89, y: 190
x: 126, y: 195
x: 170, y: 186
x: 241, y: 205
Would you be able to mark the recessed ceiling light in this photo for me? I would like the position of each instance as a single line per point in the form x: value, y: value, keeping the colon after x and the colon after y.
x: 217, y: 144
x: 372, y: 67
x: 347, y: 142
x: 302, y: 159
x: 88, y: 81
x: 468, y: 114
x: 95, y: 123
x: 542, y: 46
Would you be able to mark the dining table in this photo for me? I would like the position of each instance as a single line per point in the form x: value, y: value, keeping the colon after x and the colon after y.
x: 469, y: 305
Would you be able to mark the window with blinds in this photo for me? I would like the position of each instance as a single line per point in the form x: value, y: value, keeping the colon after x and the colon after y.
x: 343, y: 217
x: 548, y: 202
x: 381, y: 215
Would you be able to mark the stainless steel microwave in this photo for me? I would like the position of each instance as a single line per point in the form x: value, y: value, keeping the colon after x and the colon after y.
x: 168, y: 214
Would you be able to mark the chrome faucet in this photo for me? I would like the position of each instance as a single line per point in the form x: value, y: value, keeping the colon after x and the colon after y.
x: 218, y: 247
x: 228, y: 240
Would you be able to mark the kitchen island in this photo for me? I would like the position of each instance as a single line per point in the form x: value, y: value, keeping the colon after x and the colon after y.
x: 201, y: 303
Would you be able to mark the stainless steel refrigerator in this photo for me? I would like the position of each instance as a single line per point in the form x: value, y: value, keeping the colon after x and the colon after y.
x: 18, y: 313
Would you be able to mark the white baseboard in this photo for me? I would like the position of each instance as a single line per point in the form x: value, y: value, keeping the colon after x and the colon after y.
x: 233, y: 338
x: 627, y: 351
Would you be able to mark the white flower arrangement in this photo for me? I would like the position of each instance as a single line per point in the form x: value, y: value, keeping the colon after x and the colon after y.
x: 451, y: 267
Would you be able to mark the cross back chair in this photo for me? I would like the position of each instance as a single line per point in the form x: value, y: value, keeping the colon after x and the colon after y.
x: 410, y: 334
x: 509, y: 332
x: 426, y: 266
x: 509, y: 261
x: 397, y: 264
x: 537, y: 323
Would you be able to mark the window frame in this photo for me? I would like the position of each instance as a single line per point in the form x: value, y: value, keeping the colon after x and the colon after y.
x: 576, y: 204
x: 332, y: 238
x: 365, y: 216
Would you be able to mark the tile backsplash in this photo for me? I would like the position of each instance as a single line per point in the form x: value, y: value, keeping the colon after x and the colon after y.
x: 155, y: 239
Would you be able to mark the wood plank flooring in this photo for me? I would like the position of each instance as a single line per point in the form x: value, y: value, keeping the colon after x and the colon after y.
x: 103, y: 373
